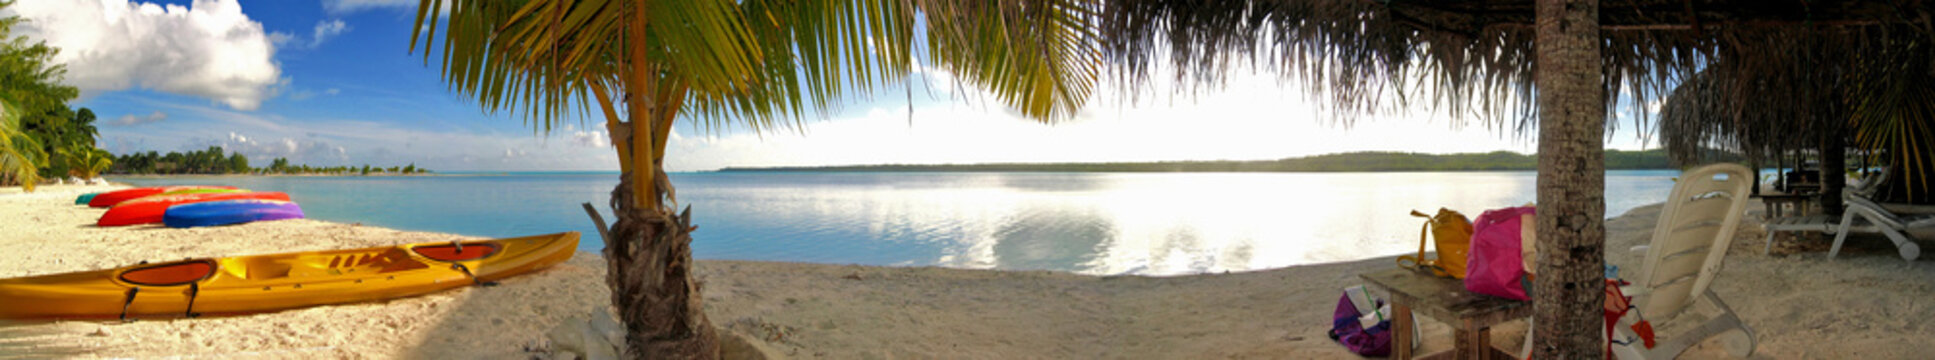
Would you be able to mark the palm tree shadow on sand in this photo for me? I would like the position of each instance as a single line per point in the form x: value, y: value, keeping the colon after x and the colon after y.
x: 35, y: 340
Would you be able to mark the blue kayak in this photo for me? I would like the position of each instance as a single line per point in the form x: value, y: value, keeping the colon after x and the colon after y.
x: 85, y: 198
x: 227, y: 212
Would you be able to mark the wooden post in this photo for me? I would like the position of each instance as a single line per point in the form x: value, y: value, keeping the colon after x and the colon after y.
x: 1756, y: 165
x: 1401, y: 340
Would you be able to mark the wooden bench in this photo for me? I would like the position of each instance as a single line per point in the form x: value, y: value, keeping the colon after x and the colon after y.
x: 1471, y: 315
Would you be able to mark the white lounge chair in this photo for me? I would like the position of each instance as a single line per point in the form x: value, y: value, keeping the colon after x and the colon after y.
x: 1822, y: 223
x: 1865, y: 216
x: 1694, y: 231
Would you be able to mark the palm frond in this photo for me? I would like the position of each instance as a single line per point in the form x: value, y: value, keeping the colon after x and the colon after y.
x: 20, y: 155
x: 1893, y: 113
x: 758, y: 63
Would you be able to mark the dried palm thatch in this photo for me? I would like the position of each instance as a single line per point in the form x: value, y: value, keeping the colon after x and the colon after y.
x: 1807, y: 90
x: 1474, y: 59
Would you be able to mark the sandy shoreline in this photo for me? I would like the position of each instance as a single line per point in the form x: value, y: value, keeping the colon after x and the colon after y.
x: 1864, y: 305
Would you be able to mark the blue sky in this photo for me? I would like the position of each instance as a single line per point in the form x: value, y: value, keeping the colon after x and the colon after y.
x: 332, y: 83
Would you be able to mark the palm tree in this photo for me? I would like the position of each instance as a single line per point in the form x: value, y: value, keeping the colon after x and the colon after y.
x: 757, y: 63
x: 86, y: 161
x: 1572, y: 180
x: 19, y: 153
x: 29, y: 85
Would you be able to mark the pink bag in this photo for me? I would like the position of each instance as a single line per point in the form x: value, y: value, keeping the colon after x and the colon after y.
x: 1496, y: 264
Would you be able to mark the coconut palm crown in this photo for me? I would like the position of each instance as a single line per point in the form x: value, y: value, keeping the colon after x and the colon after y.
x: 763, y: 64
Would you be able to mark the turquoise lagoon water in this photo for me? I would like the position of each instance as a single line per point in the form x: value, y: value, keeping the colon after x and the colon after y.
x: 1093, y: 223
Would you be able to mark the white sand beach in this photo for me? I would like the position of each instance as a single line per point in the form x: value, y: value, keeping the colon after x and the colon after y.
x: 1868, y: 304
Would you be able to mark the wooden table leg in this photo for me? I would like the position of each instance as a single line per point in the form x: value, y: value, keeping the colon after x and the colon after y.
x: 1400, y: 330
x: 1472, y: 344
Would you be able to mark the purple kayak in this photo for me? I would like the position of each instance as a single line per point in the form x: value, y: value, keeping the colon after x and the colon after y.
x: 228, y: 212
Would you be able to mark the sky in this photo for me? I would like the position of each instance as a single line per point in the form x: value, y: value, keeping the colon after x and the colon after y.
x: 333, y: 82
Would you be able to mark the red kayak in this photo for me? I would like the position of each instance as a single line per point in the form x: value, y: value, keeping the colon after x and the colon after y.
x: 116, y: 197
x: 150, y: 209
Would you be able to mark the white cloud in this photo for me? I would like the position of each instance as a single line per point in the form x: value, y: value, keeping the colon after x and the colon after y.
x: 314, y: 152
x: 131, y: 119
x: 281, y: 39
x: 593, y: 138
x: 327, y: 29
x: 210, y: 49
x: 939, y: 80
x: 299, y: 93
x: 323, y: 141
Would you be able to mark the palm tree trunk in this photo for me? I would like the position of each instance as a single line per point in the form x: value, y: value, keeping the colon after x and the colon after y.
x: 650, y: 255
x: 1569, y: 290
x: 650, y: 275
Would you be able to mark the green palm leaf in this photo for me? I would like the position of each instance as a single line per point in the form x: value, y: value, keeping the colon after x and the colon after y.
x: 1891, y: 107
x: 763, y: 64
x: 20, y: 155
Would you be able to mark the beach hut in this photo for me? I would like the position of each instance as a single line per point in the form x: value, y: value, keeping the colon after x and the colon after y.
x: 1557, y: 66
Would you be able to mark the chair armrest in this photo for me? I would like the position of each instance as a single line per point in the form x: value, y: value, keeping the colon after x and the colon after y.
x: 1635, y: 290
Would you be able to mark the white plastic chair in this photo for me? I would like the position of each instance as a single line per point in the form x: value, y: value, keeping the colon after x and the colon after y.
x: 1695, y: 229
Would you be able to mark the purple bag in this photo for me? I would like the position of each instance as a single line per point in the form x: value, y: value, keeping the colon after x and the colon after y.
x: 1495, y: 265
x: 1375, y: 341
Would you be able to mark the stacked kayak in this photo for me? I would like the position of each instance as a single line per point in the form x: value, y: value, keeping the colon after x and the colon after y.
x: 82, y: 200
x: 229, y: 212
x: 191, y: 191
x: 148, y: 210
x: 112, y: 198
x: 262, y: 283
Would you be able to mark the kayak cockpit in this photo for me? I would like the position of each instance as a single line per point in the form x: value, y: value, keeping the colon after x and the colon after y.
x: 321, y: 264
x: 170, y: 274
x: 455, y: 252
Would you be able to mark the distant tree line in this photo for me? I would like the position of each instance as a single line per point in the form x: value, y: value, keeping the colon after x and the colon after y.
x: 282, y: 166
x: 209, y: 161
x: 212, y: 161
x: 1344, y: 162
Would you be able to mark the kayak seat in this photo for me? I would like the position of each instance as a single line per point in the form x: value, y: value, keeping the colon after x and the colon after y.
x: 170, y: 274
x: 452, y: 253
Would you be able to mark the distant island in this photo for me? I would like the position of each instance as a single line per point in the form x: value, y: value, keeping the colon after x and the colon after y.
x: 1369, y: 161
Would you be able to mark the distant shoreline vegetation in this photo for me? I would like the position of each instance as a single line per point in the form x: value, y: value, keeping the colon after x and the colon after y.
x: 213, y: 162
x: 1369, y: 161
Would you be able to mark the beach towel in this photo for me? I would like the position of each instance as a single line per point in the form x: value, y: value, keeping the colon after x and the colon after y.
x: 1346, y: 329
x: 1496, y: 263
x: 1618, y: 306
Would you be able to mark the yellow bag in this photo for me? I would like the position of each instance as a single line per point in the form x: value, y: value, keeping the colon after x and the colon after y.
x: 1453, y: 232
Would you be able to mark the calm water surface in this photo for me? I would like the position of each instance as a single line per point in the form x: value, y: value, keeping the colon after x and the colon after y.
x: 1094, y: 223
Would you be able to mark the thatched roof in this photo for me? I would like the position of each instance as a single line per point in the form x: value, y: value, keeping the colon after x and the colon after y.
x: 1797, y: 91
x: 1476, y: 57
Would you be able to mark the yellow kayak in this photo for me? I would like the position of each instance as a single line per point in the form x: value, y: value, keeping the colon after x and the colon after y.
x: 262, y: 283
